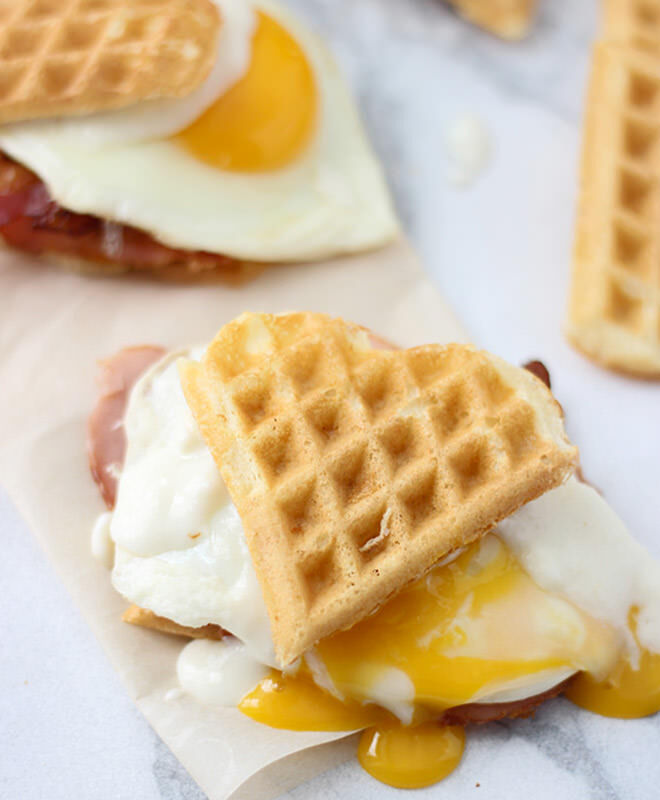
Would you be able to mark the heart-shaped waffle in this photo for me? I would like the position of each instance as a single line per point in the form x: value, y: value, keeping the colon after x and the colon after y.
x: 355, y: 470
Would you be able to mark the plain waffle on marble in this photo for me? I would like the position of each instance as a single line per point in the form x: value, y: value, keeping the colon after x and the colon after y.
x: 614, y: 307
x: 510, y: 19
x: 66, y: 57
x: 355, y: 470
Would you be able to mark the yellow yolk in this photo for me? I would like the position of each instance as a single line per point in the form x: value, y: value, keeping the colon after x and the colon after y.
x: 266, y: 119
x: 468, y: 631
x: 469, y: 628
x: 410, y: 758
x: 296, y: 703
x: 628, y: 691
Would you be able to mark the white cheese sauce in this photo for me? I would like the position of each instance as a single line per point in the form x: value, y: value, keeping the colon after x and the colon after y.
x: 103, y: 548
x: 218, y: 673
x: 572, y: 543
x: 180, y: 547
x: 468, y: 148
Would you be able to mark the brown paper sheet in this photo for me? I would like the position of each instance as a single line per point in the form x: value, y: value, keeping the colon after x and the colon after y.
x: 54, y: 327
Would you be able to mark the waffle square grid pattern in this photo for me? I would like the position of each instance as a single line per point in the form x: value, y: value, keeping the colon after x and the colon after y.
x: 635, y: 23
x: 355, y: 470
x: 614, y: 314
x: 78, y: 56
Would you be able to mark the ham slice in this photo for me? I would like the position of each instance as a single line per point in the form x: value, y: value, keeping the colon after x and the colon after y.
x: 479, y: 713
x: 106, y: 440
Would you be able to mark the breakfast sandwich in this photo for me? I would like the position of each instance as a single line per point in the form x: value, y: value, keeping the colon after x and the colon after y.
x: 357, y: 537
x: 180, y: 138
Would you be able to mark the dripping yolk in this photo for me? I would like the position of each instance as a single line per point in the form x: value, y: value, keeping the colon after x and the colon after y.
x: 410, y: 758
x: 628, y: 692
x: 296, y: 703
x: 477, y: 624
x: 466, y: 630
x: 266, y: 119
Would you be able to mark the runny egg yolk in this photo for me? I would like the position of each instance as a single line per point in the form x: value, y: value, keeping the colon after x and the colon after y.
x: 296, y: 703
x: 466, y: 630
x: 628, y: 691
x: 410, y: 758
x: 465, y: 633
x: 268, y: 117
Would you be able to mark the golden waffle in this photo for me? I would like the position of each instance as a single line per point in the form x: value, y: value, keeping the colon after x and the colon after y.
x: 135, y: 615
x: 635, y: 23
x: 614, y: 307
x: 355, y: 470
x: 510, y: 19
x: 65, y: 57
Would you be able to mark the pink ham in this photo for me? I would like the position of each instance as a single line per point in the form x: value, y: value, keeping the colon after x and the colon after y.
x: 106, y: 441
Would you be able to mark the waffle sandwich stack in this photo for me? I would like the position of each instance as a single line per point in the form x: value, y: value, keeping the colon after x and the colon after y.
x: 614, y: 308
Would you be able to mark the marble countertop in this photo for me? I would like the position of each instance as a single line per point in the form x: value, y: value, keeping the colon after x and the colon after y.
x: 500, y: 252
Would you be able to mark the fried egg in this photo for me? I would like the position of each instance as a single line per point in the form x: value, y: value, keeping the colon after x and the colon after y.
x: 267, y: 160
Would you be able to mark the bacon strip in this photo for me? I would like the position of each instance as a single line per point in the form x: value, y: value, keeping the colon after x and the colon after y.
x: 30, y: 220
x: 539, y: 369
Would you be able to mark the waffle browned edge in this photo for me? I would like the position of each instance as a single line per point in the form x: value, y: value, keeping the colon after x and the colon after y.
x: 144, y: 618
x: 298, y: 623
x: 234, y: 273
x: 508, y: 19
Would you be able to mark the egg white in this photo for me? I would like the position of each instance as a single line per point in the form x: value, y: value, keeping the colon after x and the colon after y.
x: 331, y: 200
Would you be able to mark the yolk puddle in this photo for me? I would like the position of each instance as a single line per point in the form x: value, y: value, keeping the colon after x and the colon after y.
x: 266, y: 119
x: 628, y: 692
x: 410, y: 758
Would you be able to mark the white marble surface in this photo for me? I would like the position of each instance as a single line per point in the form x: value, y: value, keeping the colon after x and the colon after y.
x: 500, y: 252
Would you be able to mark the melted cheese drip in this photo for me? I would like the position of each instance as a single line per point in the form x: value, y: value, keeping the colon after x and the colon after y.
x: 410, y: 758
x: 268, y: 117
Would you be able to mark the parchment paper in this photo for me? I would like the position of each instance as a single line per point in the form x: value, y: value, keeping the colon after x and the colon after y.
x: 54, y: 326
